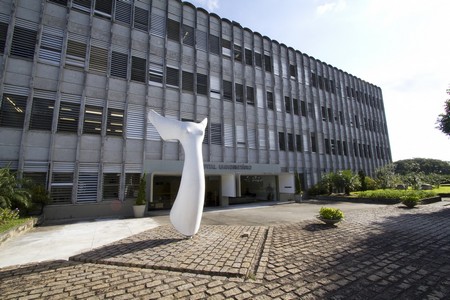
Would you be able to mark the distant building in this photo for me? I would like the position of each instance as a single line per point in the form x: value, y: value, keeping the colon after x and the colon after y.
x: 79, y: 76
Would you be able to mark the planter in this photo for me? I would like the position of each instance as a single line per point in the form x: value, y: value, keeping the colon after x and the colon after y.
x: 139, y: 211
x: 329, y: 221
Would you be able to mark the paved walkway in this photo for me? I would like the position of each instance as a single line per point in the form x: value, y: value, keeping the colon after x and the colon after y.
x: 380, y: 252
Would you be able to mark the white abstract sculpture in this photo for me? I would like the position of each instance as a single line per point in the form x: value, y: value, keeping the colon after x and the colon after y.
x: 186, y: 213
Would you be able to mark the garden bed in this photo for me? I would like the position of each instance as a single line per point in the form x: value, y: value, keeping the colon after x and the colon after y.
x: 374, y: 200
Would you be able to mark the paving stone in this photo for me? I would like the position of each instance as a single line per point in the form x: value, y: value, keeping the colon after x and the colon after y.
x: 385, y: 253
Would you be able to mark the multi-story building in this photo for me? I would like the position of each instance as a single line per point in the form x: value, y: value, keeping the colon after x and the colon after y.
x: 79, y: 76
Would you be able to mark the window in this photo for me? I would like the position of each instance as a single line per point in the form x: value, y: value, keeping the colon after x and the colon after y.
x: 303, y: 108
x: 249, y: 57
x: 313, y: 143
x: 270, y: 100
x: 216, y: 134
x: 258, y: 59
x: 333, y: 147
x: 140, y: 18
x: 281, y: 141
x: 268, y: 63
x: 324, y: 113
x: 42, y: 114
x: 341, y: 117
x: 103, y: 8
x: 111, y: 183
x: 298, y: 142
x: 119, y: 64
x: 114, y: 124
x: 75, y: 54
x: 330, y: 114
x: 123, y: 11
x: 62, y: 2
x: 214, y: 44
x: 23, y: 42
x: 295, y: 104
x: 339, y: 147
x: 158, y: 25
x: 87, y: 187
x: 188, y: 35
x: 250, y: 95
x: 98, y: 59
x: 293, y: 71
x: 313, y: 80
x: 290, y: 142
x: 138, y: 67
x: 311, y: 110
x: 12, y: 112
x: 237, y: 50
x: 240, y: 136
x: 83, y: 5
x: 202, y: 84
x: 239, y: 90
x: 51, y: 44
x: 227, y: 90
x: 68, y: 117
x: 173, y: 30
x: 188, y: 81
x: 92, y: 119
x: 344, y: 148
x: 3, y: 33
x: 172, y: 76
x: 61, y: 188
x: 135, y: 121
x: 202, y: 40
x: 226, y: 47
x: 287, y: 104
x: 132, y: 185
x: 327, y: 146
x: 155, y: 73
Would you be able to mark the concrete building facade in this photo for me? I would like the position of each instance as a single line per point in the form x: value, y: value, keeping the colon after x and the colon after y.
x: 79, y: 76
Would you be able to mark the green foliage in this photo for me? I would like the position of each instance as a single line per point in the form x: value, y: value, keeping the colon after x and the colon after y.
x: 298, y: 185
x: 140, y: 200
x: 410, y: 200
x: 40, y: 196
x: 385, y: 177
x: 7, y: 215
x: 371, y: 184
x: 362, y: 180
x: 443, y: 121
x: 11, y: 224
x: 345, y: 180
x: 330, y: 213
x: 395, y: 194
x: 317, y: 189
x: 424, y: 165
x: 11, y: 192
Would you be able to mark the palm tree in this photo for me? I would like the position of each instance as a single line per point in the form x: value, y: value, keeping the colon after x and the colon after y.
x: 11, y: 192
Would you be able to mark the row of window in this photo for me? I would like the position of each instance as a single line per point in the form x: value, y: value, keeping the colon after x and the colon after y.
x: 62, y: 185
x: 338, y: 117
x: 334, y: 147
x: 13, y: 107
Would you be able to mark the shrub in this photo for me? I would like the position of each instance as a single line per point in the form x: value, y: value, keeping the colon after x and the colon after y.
x: 11, y: 192
x: 317, y: 189
x: 330, y: 213
x: 396, y: 194
x: 410, y: 200
x: 140, y: 200
x: 7, y: 215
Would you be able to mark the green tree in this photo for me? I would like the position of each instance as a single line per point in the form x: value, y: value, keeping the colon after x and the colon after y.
x: 12, y: 195
x: 385, y: 176
x: 443, y: 121
x: 345, y: 180
x: 425, y: 165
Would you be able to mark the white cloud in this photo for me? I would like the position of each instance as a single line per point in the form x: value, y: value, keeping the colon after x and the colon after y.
x: 331, y: 6
x: 210, y: 5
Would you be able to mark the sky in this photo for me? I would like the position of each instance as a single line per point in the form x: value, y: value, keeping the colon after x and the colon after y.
x: 401, y: 46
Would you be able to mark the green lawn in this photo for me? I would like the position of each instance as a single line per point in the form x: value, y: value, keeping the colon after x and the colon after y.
x: 443, y: 189
x: 12, y: 223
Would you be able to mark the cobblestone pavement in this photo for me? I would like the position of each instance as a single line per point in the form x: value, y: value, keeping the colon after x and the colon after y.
x: 380, y: 253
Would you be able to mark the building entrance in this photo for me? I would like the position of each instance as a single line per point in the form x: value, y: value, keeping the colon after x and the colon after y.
x: 165, y: 190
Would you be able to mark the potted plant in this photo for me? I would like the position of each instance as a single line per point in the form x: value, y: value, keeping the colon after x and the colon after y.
x: 410, y: 201
x: 139, y: 204
x: 330, y: 216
